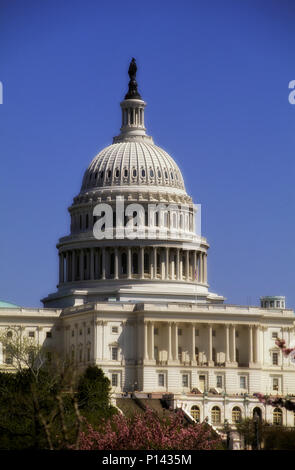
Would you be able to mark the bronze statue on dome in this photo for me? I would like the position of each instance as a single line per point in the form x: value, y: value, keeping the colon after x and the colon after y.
x: 132, y: 86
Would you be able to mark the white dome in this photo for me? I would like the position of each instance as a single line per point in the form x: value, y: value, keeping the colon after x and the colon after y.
x: 132, y: 163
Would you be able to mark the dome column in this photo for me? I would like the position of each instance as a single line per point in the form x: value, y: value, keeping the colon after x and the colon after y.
x: 177, y: 264
x: 195, y: 266
x: 81, y: 265
x: 205, y: 268
x: 155, y: 263
x: 91, y: 264
x: 141, y: 262
x: 187, y: 265
x: 116, y: 268
x: 129, y: 273
x: 73, y: 265
x: 167, y: 264
x: 103, y: 263
x: 201, y: 268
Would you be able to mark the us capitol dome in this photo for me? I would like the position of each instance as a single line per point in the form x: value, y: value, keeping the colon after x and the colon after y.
x: 172, y: 264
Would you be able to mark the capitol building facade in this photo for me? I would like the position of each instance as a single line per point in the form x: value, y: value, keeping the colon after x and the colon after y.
x: 134, y: 298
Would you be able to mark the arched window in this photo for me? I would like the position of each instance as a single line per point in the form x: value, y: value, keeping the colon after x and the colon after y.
x: 277, y: 416
x: 236, y: 414
x: 9, y: 334
x: 195, y: 413
x: 215, y: 415
x: 257, y: 412
x: 135, y: 263
x: 146, y: 263
x: 124, y: 263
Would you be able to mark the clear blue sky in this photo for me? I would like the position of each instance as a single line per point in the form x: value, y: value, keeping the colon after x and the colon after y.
x: 215, y: 75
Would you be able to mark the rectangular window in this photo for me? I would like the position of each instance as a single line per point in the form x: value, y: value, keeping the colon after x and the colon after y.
x: 197, y: 332
x: 156, y: 331
x: 88, y: 354
x: 185, y: 380
x: 179, y: 332
x: 274, y: 335
x: 80, y: 332
x: 32, y: 334
x: 213, y: 333
x: 88, y: 331
x: 161, y: 380
x: 179, y: 353
x: 114, y: 380
x: 219, y: 381
x: 237, y: 334
x: 275, y: 359
x: 73, y: 333
x: 48, y: 334
x: 114, y: 354
x: 275, y: 384
x: 114, y: 329
x: 243, y: 381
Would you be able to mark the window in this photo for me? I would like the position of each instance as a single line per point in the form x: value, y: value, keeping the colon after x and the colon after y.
x: 31, y: 334
x: 185, y: 380
x: 114, y: 354
x: 275, y: 359
x: 215, y: 415
x: 219, y: 381
x: 274, y: 335
x: 236, y: 414
x: 115, y: 329
x: 275, y: 384
x: 278, y: 303
x: 156, y: 331
x: 88, y: 330
x: 48, y: 334
x: 114, y: 380
x: 196, y: 332
x: 179, y: 332
x: 88, y: 354
x: 195, y: 413
x: 80, y: 332
x: 9, y: 334
x: 243, y: 383
x: 80, y: 355
x: 277, y: 416
x: 179, y: 353
x: 213, y: 333
x: 73, y: 333
x: 161, y: 380
x: 237, y: 334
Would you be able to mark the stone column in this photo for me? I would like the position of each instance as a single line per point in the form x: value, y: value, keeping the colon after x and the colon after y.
x: 141, y: 262
x: 210, y: 345
x: 257, y: 344
x: 181, y: 265
x: 129, y: 269
x: 193, y: 344
x: 73, y: 277
x: 146, y: 352
x: 116, y: 267
x: 187, y: 264
x: 227, y: 357
x: 169, y: 342
x: 167, y: 263
x: 195, y: 267
x: 103, y: 263
x: 155, y: 262
x: 81, y: 265
x: 201, y: 268
x: 250, y: 344
x: 177, y: 264
x: 176, y: 341
x: 205, y: 268
x: 152, y: 341
x: 233, y: 343
x: 67, y: 267
x: 91, y: 264
x: 163, y: 264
